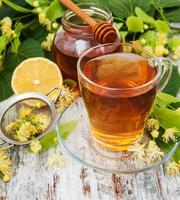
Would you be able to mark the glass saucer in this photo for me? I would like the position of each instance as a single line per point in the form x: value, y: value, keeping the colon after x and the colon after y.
x: 81, y: 146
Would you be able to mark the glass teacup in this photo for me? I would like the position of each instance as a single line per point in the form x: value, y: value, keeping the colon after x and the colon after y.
x: 118, y: 85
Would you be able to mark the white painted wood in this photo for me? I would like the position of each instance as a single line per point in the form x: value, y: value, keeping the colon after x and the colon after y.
x: 33, y: 180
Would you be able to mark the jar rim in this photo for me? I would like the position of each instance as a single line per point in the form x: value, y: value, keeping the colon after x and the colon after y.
x: 93, y: 6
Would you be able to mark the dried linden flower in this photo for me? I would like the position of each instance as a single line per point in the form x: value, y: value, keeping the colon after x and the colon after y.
x: 6, y: 167
x: 172, y: 168
x: 66, y: 98
x: 152, y: 124
x: 35, y: 146
x: 47, y: 45
x: 138, y: 150
x: 28, y: 125
x: 152, y: 152
x: 42, y: 121
x: 26, y: 131
x: 155, y: 133
x: 6, y: 27
x: 148, y: 48
x: 56, y: 160
x: 161, y: 38
x: 176, y: 53
x: 170, y: 134
x: 23, y: 112
x: 159, y: 50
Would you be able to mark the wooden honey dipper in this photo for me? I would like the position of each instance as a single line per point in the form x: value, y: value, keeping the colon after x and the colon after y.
x: 103, y: 31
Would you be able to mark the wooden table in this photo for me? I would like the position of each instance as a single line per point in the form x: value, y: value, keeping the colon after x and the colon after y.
x: 34, y: 180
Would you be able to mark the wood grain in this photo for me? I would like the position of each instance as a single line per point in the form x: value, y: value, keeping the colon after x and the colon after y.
x: 33, y: 180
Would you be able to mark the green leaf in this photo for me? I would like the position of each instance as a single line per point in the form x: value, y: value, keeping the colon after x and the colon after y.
x: 126, y: 8
x: 167, y: 118
x: 51, y: 139
x: 164, y: 99
x: 48, y: 141
x: 167, y: 148
x: 3, y: 42
x: 54, y: 11
x: 168, y: 3
x: 145, y: 18
x: 17, y: 7
x: 173, y: 85
x: 5, y: 84
x: 29, y: 48
x: 123, y: 35
x: 70, y: 83
x: 162, y: 26
x: 6, y: 10
x: 150, y: 37
x: 174, y: 42
x: 134, y: 24
x: 173, y: 14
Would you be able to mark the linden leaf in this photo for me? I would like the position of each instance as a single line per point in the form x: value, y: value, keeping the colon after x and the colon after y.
x: 162, y: 26
x: 134, y: 24
x: 145, y: 18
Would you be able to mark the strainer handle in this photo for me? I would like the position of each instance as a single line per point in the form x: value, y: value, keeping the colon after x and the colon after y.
x: 58, y: 94
x: 4, y: 145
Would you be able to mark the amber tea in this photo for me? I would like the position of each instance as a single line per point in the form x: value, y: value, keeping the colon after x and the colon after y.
x: 117, y: 118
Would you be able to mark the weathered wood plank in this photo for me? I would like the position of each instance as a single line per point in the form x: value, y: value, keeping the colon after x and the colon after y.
x: 34, y: 180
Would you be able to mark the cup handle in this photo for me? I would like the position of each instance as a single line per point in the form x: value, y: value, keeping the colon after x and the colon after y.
x: 166, y: 73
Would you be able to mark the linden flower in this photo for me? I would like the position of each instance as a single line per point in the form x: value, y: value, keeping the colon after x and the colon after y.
x: 66, y: 98
x: 35, y: 3
x: 161, y: 38
x: 55, y: 25
x: 6, y: 167
x: 153, y: 152
x: 155, y: 133
x: 25, y: 131
x: 170, y: 133
x: 11, y: 127
x: 172, y: 168
x: 6, y: 27
x: 23, y: 112
x: 35, y: 146
x: 42, y: 122
x: 56, y: 160
x: 47, y: 45
x: 176, y: 52
x: 148, y: 48
x: 159, y: 50
x: 138, y: 150
x: 42, y: 17
x: 152, y: 124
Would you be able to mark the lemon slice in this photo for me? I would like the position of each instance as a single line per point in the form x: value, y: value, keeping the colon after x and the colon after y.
x: 36, y: 75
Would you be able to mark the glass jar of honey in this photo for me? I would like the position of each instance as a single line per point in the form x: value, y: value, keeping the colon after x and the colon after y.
x: 75, y: 36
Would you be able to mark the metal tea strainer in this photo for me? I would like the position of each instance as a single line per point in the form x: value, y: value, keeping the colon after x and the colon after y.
x: 38, y: 103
